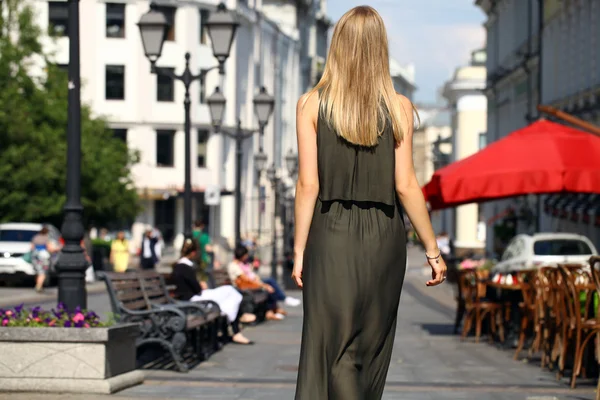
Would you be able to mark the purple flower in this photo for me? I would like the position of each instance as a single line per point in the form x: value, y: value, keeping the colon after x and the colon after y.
x: 79, y: 324
x: 58, y: 314
x: 19, y: 308
x: 91, y: 315
x: 36, y: 309
x: 47, y: 320
x: 67, y: 324
x: 77, y: 309
x: 60, y: 306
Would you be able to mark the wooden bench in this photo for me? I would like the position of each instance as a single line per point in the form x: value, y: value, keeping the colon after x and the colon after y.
x: 217, y: 332
x: 176, y: 327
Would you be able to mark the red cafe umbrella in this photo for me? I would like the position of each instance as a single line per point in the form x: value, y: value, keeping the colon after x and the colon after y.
x: 544, y: 157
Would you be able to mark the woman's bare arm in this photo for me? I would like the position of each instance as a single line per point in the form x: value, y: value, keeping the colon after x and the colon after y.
x: 307, y: 187
x: 410, y: 193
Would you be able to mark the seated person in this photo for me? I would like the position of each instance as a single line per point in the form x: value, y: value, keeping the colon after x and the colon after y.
x: 189, y: 289
x: 242, y: 275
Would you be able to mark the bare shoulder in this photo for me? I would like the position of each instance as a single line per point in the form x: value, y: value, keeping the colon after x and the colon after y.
x: 405, y: 103
x: 308, y: 102
x: 407, y: 108
x: 308, y: 108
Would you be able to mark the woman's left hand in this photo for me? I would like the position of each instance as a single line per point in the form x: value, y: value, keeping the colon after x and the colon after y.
x: 438, y: 271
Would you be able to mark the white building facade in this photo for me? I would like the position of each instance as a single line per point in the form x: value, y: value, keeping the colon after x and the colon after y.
x: 147, y: 111
x: 403, y: 77
x: 564, y: 35
x: 434, y: 127
x: 468, y: 107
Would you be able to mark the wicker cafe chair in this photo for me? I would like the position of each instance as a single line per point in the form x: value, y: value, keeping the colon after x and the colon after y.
x: 577, y: 323
x: 548, y: 311
x: 477, y: 308
x: 595, y: 269
x: 528, y: 307
x: 590, y: 324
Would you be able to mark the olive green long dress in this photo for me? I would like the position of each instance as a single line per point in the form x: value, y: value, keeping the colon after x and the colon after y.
x: 354, y: 266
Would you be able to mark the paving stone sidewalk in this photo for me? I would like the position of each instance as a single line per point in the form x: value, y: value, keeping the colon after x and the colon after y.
x: 428, y: 363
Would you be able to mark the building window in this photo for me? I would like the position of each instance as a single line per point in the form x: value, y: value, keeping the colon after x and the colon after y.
x: 115, y: 20
x: 115, y: 82
x: 204, y: 14
x: 58, y: 18
x: 165, y: 148
x: 482, y: 140
x: 202, y: 97
x: 164, y: 217
x: 169, y: 13
x: 165, y: 87
x: 120, y: 134
x: 202, y: 142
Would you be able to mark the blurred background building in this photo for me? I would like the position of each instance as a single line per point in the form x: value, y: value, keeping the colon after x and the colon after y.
x: 280, y: 45
x: 468, y: 108
x: 556, y: 63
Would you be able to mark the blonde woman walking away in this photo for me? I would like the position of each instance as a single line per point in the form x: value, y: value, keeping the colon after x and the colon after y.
x: 356, y: 177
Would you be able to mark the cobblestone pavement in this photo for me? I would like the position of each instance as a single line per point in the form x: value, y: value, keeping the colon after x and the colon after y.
x: 428, y: 363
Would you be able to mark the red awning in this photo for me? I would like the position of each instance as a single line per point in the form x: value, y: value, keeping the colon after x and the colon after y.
x: 544, y: 157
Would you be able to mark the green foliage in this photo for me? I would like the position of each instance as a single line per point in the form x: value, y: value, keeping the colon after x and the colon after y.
x: 33, y: 148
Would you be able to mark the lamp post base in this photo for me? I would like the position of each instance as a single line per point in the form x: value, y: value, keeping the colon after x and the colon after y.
x: 72, y: 263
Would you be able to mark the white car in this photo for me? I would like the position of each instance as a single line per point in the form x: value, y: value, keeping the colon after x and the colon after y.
x: 533, y: 251
x: 15, y: 242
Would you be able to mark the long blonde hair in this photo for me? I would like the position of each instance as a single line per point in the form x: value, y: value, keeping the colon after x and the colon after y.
x: 357, y: 95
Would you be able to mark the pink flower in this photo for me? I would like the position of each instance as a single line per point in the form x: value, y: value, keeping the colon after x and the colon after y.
x: 9, y: 313
x: 4, y: 322
x: 78, y: 317
x: 86, y: 325
x: 52, y: 323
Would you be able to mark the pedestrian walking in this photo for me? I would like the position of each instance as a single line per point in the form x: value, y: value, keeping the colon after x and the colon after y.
x: 355, y: 168
x: 42, y: 249
x: 148, y: 256
x: 203, y: 238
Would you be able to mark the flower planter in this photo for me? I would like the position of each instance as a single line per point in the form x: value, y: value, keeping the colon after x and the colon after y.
x: 86, y: 360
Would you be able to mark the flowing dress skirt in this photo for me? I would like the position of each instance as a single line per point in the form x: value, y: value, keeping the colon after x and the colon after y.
x: 354, y: 267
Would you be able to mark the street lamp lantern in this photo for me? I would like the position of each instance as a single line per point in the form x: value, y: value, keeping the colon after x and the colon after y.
x: 216, y: 104
x: 272, y: 175
x: 222, y: 26
x: 260, y: 161
x: 264, y: 104
x: 291, y: 162
x: 153, y: 30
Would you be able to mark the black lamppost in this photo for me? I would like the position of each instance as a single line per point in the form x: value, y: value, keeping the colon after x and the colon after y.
x: 291, y: 162
x: 274, y: 179
x: 222, y: 26
x: 72, y: 264
x: 260, y: 163
x: 263, y: 108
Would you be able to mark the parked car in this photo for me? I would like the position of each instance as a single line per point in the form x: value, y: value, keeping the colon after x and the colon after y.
x: 15, y: 244
x: 532, y: 251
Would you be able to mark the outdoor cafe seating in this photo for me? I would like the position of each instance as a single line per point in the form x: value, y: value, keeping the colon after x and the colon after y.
x: 553, y: 311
